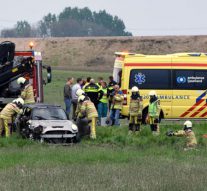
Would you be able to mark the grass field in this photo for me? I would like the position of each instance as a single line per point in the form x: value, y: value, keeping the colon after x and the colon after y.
x: 115, y: 161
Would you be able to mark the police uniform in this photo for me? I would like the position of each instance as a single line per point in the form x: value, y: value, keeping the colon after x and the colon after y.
x: 93, y: 91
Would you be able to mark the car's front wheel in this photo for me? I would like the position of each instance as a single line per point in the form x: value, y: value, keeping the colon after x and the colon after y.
x: 77, y: 138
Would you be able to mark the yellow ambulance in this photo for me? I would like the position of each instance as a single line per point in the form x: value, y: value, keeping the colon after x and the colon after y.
x: 180, y: 81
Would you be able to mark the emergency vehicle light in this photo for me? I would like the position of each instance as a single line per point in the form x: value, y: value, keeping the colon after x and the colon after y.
x: 31, y: 44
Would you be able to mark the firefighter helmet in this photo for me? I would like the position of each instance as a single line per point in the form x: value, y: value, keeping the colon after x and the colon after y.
x: 81, y: 98
x: 152, y: 93
x: 79, y: 92
x: 135, y: 89
x: 21, y: 80
x: 19, y: 101
x: 187, y: 125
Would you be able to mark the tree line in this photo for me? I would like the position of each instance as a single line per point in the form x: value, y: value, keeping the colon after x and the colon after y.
x: 71, y: 22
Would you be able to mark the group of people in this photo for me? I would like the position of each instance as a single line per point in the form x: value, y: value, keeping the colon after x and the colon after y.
x: 100, y: 94
x: 107, y: 100
x: 96, y: 100
x: 15, y: 107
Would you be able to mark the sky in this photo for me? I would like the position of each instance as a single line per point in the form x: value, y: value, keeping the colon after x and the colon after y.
x: 141, y: 17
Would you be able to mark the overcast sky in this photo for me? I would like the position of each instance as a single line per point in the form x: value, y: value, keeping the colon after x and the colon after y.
x: 141, y: 17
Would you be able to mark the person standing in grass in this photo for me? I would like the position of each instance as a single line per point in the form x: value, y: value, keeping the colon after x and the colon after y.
x: 110, y: 87
x: 68, y: 95
x: 186, y: 132
x: 103, y: 102
x: 154, y: 112
x: 93, y: 91
x: 135, y: 111
x: 116, y: 106
x: 8, y: 113
x: 88, y: 110
x: 75, y: 88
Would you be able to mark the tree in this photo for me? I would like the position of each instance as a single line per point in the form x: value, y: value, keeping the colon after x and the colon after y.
x: 46, y: 25
x: 23, y: 29
x: 6, y: 33
x: 71, y: 22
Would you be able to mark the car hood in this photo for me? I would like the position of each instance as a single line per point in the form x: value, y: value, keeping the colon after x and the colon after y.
x: 53, y: 125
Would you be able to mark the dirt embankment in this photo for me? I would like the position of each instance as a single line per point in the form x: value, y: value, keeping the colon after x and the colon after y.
x: 97, y: 54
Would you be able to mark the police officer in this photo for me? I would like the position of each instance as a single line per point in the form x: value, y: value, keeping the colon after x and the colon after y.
x: 154, y: 112
x: 88, y: 110
x: 7, y: 114
x: 93, y: 91
x: 186, y: 132
x: 27, y: 93
x: 135, y: 110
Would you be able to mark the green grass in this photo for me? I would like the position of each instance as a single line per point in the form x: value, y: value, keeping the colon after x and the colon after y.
x: 114, y: 161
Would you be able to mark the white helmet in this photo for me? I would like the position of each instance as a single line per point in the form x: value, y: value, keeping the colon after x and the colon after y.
x: 21, y: 80
x: 152, y: 93
x: 187, y: 124
x: 19, y: 101
x: 135, y: 89
x: 79, y: 92
x: 81, y: 98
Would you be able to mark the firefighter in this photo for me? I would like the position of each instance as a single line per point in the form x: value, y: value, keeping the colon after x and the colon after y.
x: 186, y: 132
x: 27, y: 93
x: 135, y: 110
x: 7, y: 114
x: 93, y: 91
x: 89, y: 111
x: 116, y: 106
x: 79, y: 93
x: 154, y: 112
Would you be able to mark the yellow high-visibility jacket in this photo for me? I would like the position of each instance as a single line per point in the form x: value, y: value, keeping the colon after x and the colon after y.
x: 154, y: 108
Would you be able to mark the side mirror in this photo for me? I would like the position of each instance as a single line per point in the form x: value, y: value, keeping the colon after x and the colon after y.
x: 49, y: 74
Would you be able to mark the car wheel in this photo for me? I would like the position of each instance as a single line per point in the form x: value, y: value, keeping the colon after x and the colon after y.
x: 77, y: 138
